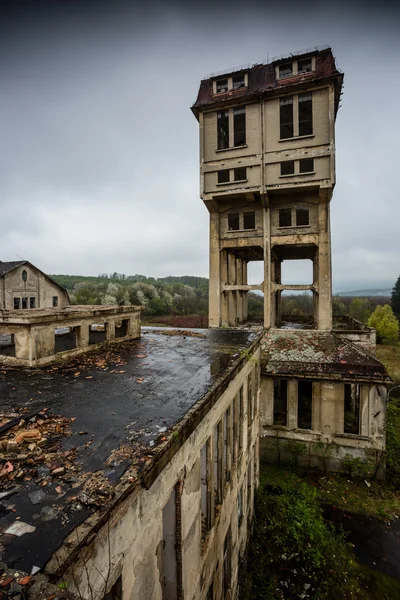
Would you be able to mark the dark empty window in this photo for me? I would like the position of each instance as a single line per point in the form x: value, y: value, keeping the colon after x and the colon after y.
x: 223, y: 176
x: 280, y: 401
x: 304, y: 405
x: 306, y: 165
x: 302, y: 217
x: 305, y: 114
x: 304, y: 66
x: 24, y: 302
x: 116, y: 591
x: 223, y: 129
x: 210, y: 593
x: 239, y: 174
x: 239, y: 126
x: 55, y: 301
x: 286, y: 117
x: 222, y: 85
x: 287, y: 167
x: 238, y: 82
x: 285, y: 70
x: 285, y: 217
x: 249, y: 220
x: 351, y: 408
x: 233, y: 221
x: 227, y: 563
x: 24, y: 275
x: 17, y: 303
x: 32, y: 302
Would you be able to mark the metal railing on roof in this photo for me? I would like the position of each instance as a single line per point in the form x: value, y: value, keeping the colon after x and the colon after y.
x: 266, y: 62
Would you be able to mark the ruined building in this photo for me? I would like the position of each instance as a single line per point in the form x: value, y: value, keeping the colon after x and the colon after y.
x: 267, y: 165
x: 130, y: 473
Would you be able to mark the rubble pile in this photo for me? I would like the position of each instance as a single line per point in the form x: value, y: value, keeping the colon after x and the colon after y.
x: 30, y: 448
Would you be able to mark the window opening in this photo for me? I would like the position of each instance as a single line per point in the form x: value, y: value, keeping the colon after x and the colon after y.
x: 97, y: 333
x: 227, y: 445
x: 222, y: 86
x: 240, y: 511
x: 223, y: 129
x: 239, y: 126
x: 235, y: 406
x: 306, y: 165
x: 17, y: 303
x: 287, y: 167
x: 210, y: 593
x: 55, y: 301
x: 24, y: 302
x: 305, y: 114
x: 205, y: 491
x: 286, y: 117
x: 32, y: 302
x: 249, y: 487
x: 238, y: 82
x: 233, y: 221
x: 285, y: 70
x: 285, y: 217
x: 116, y: 591
x: 239, y: 174
x: 65, y: 340
x: 304, y: 404
x: 302, y: 217
x: 227, y: 562
x: 351, y: 408
x: 249, y: 220
x: 122, y: 329
x: 218, y: 487
x: 24, y: 275
x: 280, y: 401
x: 297, y: 272
x: 170, y: 563
x: 223, y: 176
x: 7, y: 344
x: 241, y: 417
x: 304, y: 66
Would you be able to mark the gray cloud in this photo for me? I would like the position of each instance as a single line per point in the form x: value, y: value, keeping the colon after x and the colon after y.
x: 99, y: 150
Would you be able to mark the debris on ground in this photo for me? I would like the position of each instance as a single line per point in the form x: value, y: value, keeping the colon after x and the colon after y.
x: 180, y: 332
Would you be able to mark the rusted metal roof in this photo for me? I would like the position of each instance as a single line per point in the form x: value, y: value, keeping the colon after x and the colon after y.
x: 304, y: 353
x: 262, y: 80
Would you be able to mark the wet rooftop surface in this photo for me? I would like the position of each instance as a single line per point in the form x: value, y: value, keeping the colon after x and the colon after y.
x: 126, y: 396
x: 286, y: 352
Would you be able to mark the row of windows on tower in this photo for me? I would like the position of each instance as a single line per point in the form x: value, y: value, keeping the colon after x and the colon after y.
x: 238, y: 221
x: 303, y: 66
x: 289, y: 126
x: 306, y: 165
x: 239, y: 174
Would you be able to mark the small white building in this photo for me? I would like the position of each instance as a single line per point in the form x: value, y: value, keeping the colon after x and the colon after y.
x: 24, y: 286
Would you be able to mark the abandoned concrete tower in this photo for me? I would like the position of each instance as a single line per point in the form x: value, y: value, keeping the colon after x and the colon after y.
x: 267, y: 165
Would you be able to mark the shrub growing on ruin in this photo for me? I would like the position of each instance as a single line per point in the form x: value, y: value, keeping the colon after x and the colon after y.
x: 385, y: 323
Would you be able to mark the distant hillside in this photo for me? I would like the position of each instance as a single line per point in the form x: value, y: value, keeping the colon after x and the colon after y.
x: 69, y: 281
x: 375, y: 292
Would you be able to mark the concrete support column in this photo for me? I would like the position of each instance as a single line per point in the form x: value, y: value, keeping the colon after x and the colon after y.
x: 224, y: 295
x: 269, y: 318
x: 232, y: 310
x: 332, y: 408
x: 23, y: 347
x: 83, y: 336
x: 266, y: 401
x: 316, y: 406
x: 239, y: 294
x: 292, y: 402
x: 214, y: 312
x: 364, y: 410
x: 324, y: 269
x: 110, y: 330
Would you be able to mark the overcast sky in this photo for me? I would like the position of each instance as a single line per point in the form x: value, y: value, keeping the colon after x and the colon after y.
x: 99, y: 149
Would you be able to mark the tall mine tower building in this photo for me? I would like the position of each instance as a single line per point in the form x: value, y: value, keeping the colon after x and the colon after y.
x: 267, y: 163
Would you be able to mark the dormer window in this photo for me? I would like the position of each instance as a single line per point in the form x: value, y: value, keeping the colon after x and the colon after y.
x: 238, y: 82
x: 222, y: 86
x: 285, y: 70
x: 304, y: 66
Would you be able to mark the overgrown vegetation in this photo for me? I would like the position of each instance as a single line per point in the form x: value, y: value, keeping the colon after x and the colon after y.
x: 294, y: 553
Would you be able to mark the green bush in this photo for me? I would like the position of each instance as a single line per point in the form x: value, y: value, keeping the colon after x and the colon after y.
x: 385, y: 323
x: 393, y: 444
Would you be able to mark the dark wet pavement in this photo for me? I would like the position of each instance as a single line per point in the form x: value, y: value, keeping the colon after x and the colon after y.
x: 376, y: 542
x: 144, y: 387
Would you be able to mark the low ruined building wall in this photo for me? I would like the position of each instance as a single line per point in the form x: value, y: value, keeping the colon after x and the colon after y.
x: 340, y: 422
x: 187, y: 533
x: 360, y: 334
x: 36, y: 335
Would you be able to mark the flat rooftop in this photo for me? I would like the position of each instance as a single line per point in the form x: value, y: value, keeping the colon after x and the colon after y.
x: 313, y: 353
x: 89, y: 420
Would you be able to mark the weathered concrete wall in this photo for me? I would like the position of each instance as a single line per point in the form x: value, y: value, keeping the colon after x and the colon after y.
x: 131, y: 545
x: 326, y: 444
x: 36, y: 286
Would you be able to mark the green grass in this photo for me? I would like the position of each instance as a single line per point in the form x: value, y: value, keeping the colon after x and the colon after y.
x: 389, y: 355
x: 295, y: 554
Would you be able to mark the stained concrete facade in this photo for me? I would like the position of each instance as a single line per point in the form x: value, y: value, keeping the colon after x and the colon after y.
x: 38, y: 337
x: 23, y: 286
x: 267, y: 147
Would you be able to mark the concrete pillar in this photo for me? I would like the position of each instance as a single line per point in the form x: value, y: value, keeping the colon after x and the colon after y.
x: 82, y: 335
x: 232, y: 310
x: 292, y: 402
x: 214, y: 313
x: 23, y: 348
x: 324, y: 269
x: 110, y: 330
x: 364, y: 410
x: 266, y: 401
x: 316, y: 406
x: 224, y: 295
x: 239, y: 296
x: 332, y: 407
